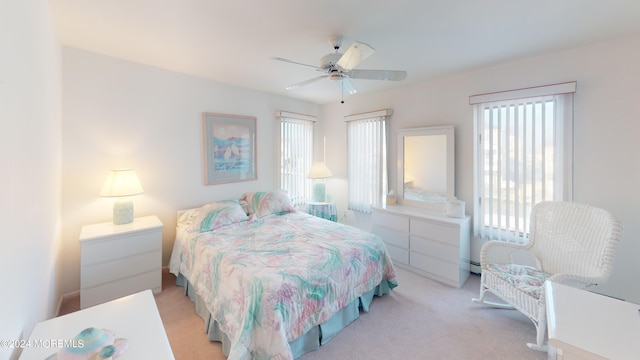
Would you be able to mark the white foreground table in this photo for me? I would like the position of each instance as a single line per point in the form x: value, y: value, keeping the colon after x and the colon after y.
x: 585, y: 325
x: 134, y: 317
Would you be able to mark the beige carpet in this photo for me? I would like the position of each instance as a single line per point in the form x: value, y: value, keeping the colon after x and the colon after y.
x: 420, y: 319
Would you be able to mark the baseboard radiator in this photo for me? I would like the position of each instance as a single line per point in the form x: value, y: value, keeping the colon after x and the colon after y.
x: 475, y: 267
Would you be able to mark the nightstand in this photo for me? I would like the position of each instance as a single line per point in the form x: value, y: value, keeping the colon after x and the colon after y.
x: 325, y: 210
x: 118, y: 260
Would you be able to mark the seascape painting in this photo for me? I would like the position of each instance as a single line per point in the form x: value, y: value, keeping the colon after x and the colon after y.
x: 229, y: 148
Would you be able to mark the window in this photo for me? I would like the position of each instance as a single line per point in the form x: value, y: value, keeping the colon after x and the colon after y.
x: 523, y: 156
x: 367, y: 159
x: 296, y: 155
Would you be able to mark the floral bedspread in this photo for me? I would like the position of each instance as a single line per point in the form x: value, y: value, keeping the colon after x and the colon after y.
x: 268, y: 281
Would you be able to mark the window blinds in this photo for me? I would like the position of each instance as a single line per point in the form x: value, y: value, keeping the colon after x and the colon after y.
x: 523, y: 156
x: 296, y: 155
x: 367, y: 159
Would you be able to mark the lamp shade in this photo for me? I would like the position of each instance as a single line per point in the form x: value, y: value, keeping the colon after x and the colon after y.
x: 319, y: 170
x: 121, y: 182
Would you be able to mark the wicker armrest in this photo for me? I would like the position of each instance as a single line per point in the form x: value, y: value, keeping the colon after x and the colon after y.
x: 499, y: 252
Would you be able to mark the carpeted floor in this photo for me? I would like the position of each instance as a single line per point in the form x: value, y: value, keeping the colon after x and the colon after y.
x: 420, y: 319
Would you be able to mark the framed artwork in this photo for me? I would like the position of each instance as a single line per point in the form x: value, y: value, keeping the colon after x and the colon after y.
x: 229, y: 148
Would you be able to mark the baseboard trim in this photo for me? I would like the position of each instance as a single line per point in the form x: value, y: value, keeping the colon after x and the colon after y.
x: 63, y: 298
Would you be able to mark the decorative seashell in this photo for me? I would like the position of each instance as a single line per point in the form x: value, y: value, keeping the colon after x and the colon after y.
x: 92, y: 344
x: 106, y: 353
x: 86, y: 344
x: 121, y: 346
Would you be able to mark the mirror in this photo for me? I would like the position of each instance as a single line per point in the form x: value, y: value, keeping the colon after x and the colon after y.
x: 426, y: 165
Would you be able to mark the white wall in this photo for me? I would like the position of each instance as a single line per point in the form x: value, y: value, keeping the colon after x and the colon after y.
x: 607, y: 124
x: 30, y: 117
x: 122, y: 114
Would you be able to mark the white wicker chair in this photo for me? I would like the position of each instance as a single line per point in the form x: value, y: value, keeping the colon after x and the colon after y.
x: 572, y: 243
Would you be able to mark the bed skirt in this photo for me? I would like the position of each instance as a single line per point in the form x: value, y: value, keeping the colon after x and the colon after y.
x: 312, y: 340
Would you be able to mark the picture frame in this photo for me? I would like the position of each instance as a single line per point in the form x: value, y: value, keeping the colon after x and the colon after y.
x: 229, y: 146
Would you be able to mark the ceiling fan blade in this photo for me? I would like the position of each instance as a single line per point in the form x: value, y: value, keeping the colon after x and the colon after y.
x: 306, y: 82
x: 297, y: 63
x: 346, y: 85
x: 389, y: 75
x: 355, y: 54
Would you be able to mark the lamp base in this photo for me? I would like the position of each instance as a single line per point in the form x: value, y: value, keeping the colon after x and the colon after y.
x: 319, y: 190
x: 123, y: 211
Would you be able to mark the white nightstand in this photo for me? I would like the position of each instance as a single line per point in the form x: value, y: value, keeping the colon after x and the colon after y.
x: 118, y: 260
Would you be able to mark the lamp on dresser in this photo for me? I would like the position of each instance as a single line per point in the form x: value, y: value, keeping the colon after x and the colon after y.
x: 122, y: 183
x: 319, y: 171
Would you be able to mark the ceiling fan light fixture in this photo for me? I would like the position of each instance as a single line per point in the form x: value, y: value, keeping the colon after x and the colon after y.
x: 351, y: 92
x: 336, y: 76
x: 346, y: 86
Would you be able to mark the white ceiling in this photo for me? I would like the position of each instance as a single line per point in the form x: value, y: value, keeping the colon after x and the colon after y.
x: 234, y: 41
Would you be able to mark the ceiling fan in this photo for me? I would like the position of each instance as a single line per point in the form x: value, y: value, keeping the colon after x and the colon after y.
x: 339, y: 67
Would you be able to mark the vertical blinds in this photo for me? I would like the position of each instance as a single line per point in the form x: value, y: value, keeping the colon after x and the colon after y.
x: 523, y: 156
x: 296, y: 156
x: 367, y: 159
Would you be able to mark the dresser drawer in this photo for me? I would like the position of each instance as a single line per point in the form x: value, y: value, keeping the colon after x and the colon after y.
x: 436, y: 231
x: 393, y: 237
x: 435, y: 249
x: 106, y: 249
x: 121, y: 268
x: 395, y: 222
x: 398, y: 255
x: 435, y: 266
x: 113, y: 290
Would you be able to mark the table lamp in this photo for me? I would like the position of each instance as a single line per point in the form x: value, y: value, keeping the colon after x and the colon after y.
x: 122, y: 183
x: 319, y: 171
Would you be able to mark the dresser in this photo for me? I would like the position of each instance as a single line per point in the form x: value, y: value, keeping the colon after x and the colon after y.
x: 425, y: 241
x: 118, y: 260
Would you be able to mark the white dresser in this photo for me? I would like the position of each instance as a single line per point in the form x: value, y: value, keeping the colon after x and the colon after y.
x: 118, y: 260
x: 425, y: 241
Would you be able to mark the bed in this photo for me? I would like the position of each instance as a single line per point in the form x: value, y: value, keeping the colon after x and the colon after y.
x: 272, y: 282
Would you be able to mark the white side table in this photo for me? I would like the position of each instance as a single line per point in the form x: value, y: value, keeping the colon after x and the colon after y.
x: 134, y: 317
x: 118, y: 260
x: 586, y: 325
